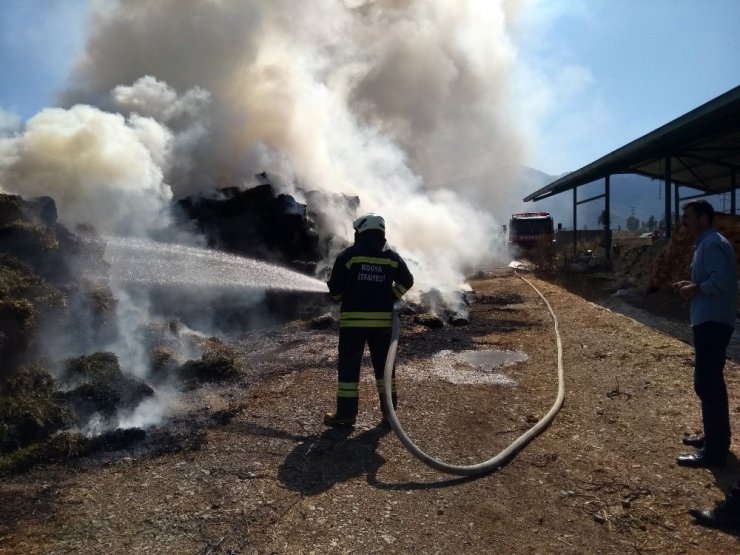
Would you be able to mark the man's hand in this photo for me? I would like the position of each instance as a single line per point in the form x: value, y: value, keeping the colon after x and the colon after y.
x: 689, y: 291
x: 679, y: 284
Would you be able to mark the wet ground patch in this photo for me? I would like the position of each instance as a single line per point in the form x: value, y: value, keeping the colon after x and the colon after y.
x: 475, y: 367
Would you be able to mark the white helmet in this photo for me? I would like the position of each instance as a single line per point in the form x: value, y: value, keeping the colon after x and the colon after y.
x: 369, y: 221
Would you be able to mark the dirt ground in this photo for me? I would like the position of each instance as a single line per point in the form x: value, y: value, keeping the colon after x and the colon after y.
x: 268, y: 477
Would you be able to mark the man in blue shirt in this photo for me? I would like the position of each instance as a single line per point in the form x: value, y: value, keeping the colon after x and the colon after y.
x: 713, y: 295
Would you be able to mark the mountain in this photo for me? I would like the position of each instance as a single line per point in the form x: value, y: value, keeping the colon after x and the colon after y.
x: 630, y: 194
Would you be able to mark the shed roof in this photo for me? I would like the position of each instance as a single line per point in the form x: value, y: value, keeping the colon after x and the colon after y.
x: 703, y: 145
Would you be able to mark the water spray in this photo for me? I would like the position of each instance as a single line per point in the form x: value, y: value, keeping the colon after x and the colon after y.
x: 504, y: 456
x: 140, y: 261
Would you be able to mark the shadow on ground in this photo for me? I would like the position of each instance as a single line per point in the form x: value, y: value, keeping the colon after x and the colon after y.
x: 319, y: 462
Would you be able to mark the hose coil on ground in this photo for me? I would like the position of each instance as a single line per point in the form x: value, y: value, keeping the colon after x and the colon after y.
x: 505, y: 455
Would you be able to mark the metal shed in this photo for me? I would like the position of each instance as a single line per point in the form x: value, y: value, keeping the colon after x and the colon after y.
x: 699, y: 150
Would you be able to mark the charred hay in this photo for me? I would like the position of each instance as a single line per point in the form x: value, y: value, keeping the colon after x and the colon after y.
x: 30, y: 410
x: 39, y: 279
x: 214, y: 366
x: 256, y: 223
x: 66, y: 446
x: 99, y: 386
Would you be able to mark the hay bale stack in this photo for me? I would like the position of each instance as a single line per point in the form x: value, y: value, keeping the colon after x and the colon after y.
x: 673, y: 262
x: 729, y: 226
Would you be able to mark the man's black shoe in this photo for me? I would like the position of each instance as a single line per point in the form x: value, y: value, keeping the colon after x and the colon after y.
x: 694, y: 441
x: 721, y: 516
x: 701, y: 460
x: 331, y: 419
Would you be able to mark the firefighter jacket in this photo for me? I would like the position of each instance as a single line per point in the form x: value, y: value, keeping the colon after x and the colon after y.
x: 368, y: 277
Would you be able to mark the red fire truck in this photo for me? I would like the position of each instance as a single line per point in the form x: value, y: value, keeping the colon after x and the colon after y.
x: 528, y: 229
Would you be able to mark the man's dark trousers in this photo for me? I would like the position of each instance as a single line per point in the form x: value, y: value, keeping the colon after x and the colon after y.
x: 351, y: 348
x: 710, y: 344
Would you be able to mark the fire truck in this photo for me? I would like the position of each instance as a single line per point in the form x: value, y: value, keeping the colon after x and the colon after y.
x: 529, y: 229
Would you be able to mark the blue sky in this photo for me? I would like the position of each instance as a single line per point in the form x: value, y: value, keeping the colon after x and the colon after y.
x: 39, y: 40
x: 609, y: 71
x: 636, y: 65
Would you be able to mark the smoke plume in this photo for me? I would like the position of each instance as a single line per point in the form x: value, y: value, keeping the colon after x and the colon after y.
x: 100, y: 167
x: 387, y: 100
x: 394, y: 101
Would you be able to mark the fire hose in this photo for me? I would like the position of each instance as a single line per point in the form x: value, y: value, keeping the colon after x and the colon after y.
x: 505, y: 455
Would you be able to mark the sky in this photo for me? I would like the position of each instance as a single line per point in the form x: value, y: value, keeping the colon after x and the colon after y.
x: 623, y: 69
x: 609, y: 72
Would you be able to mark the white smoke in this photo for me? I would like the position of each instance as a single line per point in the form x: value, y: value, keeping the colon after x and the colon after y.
x: 186, y: 116
x: 386, y: 100
x: 100, y: 167
x: 158, y: 100
x: 150, y: 412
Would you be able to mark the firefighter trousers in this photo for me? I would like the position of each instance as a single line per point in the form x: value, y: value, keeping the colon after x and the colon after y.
x: 351, y: 349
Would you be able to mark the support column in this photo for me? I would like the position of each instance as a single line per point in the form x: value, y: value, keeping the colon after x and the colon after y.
x: 668, y: 223
x: 607, y: 218
x: 733, y: 184
x: 677, y: 200
x: 575, y: 221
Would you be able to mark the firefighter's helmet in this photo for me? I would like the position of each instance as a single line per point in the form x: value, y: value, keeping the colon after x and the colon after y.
x: 369, y: 221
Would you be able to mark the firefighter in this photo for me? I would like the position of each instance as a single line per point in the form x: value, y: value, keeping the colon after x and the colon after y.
x: 367, y: 277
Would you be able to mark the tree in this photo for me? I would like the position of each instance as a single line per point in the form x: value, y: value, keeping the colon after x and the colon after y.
x: 633, y: 224
x: 651, y: 223
x: 602, y: 219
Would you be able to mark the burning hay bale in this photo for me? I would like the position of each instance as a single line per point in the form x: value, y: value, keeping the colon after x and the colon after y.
x: 17, y: 320
x: 171, y: 344
x: 257, y: 223
x: 24, y: 296
x: 30, y: 241
x: 325, y: 321
x: 163, y: 362
x: 99, y: 386
x: 65, y: 446
x: 28, y: 231
x: 59, y: 448
x: 214, y: 366
x: 13, y: 208
x: 29, y: 408
x: 92, y: 368
x: 428, y: 320
x: 33, y: 412
x: 438, y: 309
x: 459, y: 320
x: 218, y: 362
x: 115, y: 440
x: 39, y: 280
x: 38, y: 210
x: 10, y: 208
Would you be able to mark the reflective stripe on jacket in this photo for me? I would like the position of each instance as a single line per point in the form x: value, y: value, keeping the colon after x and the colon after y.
x: 368, y: 277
